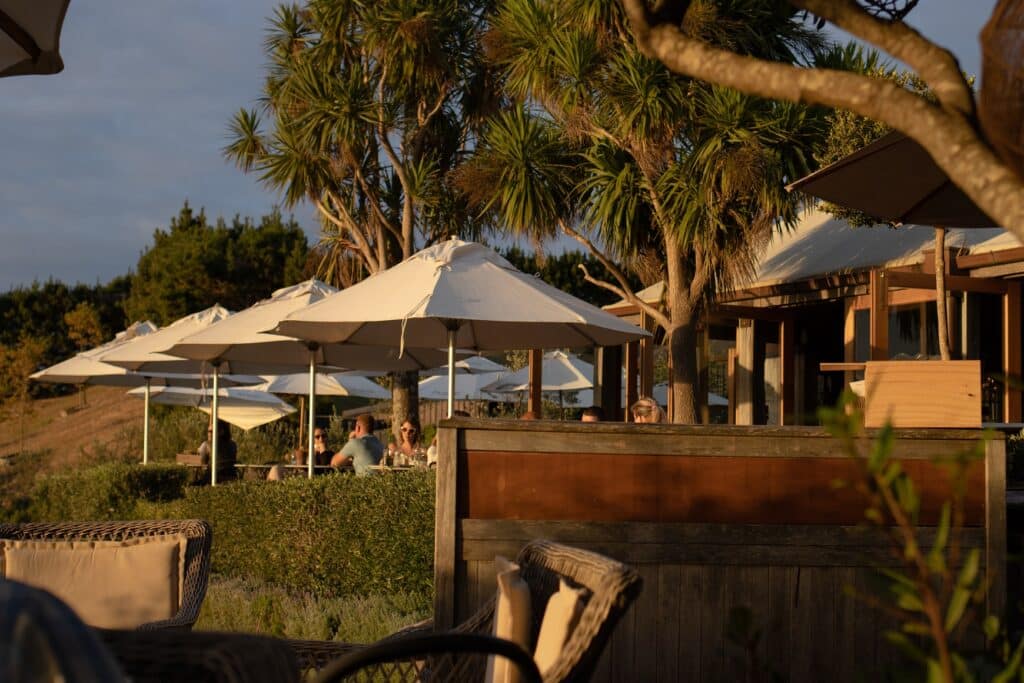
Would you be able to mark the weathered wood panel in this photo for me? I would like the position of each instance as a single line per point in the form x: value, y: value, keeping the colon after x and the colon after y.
x: 924, y: 393
x: 797, y: 577
x: 723, y: 489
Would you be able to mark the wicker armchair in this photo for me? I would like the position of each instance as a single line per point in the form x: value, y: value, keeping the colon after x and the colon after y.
x: 197, y: 552
x: 418, y: 654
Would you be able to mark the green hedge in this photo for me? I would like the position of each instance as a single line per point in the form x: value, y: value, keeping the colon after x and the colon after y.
x: 110, y: 491
x: 334, y: 535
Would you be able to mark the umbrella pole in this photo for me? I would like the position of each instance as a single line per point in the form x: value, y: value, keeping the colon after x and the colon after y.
x: 302, y: 421
x: 213, y: 419
x: 145, y: 426
x: 451, y: 372
x: 312, y: 411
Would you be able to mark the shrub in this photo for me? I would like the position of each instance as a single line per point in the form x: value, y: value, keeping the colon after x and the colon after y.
x: 111, y: 491
x: 332, y: 535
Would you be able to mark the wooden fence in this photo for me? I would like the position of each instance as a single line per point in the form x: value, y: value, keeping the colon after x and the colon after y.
x: 714, y: 518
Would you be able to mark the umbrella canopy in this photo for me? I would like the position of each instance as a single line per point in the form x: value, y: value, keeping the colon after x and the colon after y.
x: 86, y: 368
x: 457, y: 294
x: 30, y: 36
x: 560, y: 371
x: 241, y: 344
x: 337, y: 384
x: 470, y: 365
x: 145, y: 354
x: 244, y: 408
x: 896, y: 180
x: 468, y: 387
x: 461, y: 285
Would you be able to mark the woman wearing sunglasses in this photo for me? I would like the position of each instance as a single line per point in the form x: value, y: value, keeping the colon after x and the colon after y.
x: 410, y: 450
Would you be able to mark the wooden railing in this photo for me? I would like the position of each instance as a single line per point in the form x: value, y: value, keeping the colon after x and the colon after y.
x: 713, y: 518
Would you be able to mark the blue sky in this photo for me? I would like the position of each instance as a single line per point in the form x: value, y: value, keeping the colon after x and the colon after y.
x: 102, y: 154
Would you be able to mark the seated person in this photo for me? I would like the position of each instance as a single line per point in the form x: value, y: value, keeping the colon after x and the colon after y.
x: 322, y: 454
x: 410, y: 449
x: 363, y: 450
x: 227, y: 450
x: 592, y: 414
x: 646, y: 410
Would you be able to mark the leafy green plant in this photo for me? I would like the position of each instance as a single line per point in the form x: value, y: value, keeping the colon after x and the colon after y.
x: 937, y: 593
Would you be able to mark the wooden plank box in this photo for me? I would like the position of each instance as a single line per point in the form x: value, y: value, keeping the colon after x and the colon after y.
x: 923, y: 393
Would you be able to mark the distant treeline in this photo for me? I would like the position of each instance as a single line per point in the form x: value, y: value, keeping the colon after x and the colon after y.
x: 194, y: 264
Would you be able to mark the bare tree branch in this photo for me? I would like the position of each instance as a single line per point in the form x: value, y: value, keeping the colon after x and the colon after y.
x: 624, y: 291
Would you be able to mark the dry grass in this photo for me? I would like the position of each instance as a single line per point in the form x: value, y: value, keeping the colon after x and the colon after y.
x: 74, y: 436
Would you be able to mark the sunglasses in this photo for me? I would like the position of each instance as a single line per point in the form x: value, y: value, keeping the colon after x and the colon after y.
x: 318, y: 436
x: 408, y: 429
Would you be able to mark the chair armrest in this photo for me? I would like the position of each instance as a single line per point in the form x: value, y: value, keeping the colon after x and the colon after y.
x: 316, y: 654
x: 410, y: 654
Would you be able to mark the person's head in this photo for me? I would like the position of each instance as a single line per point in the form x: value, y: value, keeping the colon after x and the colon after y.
x: 319, y: 438
x: 223, y: 430
x: 364, y: 424
x: 410, y: 429
x: 592, y: 414
x: 646, y: 410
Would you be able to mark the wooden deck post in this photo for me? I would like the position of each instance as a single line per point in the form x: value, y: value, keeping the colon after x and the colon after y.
x: 879, y: 315
x: 1012, y: 352
x: 849, y: 336
x: 632, y: 372
x: 787, y: 379
x: 646, y: 357
x: 608, y: 382
x: 744, y: 374
x: 535, y: 402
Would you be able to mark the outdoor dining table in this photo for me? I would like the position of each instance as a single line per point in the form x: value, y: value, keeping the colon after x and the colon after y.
x: 250, y: 471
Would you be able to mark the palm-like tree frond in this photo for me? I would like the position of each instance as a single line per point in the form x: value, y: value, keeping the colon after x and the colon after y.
x: 246, y: 145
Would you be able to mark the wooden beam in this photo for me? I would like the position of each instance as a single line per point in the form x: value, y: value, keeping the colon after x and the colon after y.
x: 787, y: 380
x: 970, y: 261
x: 849, y: 338
x: 954, y: 283
x: 632, y: 372
x: 744, y: 375
x: 534, y: 403
x: 1012, y: 352
x: 1003, y: 270
x: 879, y: 333
x: 730, y: 382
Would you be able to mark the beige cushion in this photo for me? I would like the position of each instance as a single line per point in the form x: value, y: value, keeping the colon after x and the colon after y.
x: 511, y: 619
x: 110, y: 584
x: 560, y: 617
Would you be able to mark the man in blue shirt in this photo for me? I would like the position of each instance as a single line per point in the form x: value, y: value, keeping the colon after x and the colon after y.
x: 363, y: 450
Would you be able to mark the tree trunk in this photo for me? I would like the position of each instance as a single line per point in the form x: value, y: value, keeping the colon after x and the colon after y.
x: 405, y: 399
x: 940, y: 292
x: 682, y: 343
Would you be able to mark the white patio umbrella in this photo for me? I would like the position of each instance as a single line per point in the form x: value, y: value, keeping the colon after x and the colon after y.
x: 85, y: 368
x: 334, y: 384
x: 337, y: 384
x: 467, y: 388
x: 240, y: 343
x: 471, y: 365
x: 143, y: 354
x: 30, y: 36
x: 457, y: 294
x: 560, y: 372
x: 241, y: 406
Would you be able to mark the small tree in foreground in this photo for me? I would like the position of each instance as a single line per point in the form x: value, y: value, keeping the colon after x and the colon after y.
x: 936, y: 594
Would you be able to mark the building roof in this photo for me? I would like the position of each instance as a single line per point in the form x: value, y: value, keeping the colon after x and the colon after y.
x: 823, y: 245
